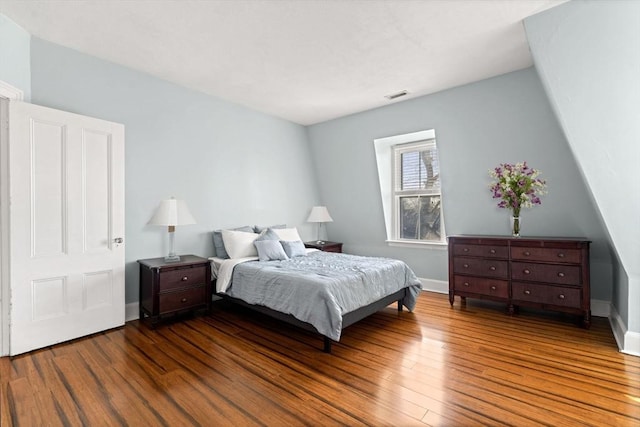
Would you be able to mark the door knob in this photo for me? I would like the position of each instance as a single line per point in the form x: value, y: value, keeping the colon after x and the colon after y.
x: 118, y: 240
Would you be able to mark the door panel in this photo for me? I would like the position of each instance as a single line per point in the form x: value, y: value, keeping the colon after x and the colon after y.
x: 67, y: 207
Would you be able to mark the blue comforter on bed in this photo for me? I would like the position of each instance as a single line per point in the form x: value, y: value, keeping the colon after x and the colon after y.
x: 321, y: 287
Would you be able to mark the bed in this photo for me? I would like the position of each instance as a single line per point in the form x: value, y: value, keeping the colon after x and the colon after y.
x: 319, y: 291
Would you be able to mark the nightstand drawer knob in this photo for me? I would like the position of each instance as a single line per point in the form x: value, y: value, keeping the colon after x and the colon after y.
x: 466, y: 284
x: 185, y: 278
x: 560, y: 255
x: 561, y: 274
x: 527, y: 253
x: 493, y: 288
x: 183, y: 300
x: 526, y: 271
x: 561, y: 296
x: 492, y: 268
x: 465, y: 265
x: 492, y: 251
x: 465, y: 250
x: 527, y: 292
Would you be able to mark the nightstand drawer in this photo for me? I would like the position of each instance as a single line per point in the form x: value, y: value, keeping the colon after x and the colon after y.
x: 549, y: 273
x: 481, y: 286
x: 486, y: 251
x: 481, y: 267
x: 182, y: 278
x: 569, y: 256
x: 546, y: 294
x: 181, y: 300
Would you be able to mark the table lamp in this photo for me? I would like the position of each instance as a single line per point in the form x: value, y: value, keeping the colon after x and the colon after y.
x: 319, y: 214
x: 170, y: 213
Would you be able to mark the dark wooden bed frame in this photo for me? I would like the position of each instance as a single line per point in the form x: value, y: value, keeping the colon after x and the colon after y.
x: 347, y: 319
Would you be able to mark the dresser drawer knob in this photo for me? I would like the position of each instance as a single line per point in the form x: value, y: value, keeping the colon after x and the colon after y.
x: 465, y: 250
x: 561, y: 296
x: 183, y: 300
x: 561, y: 274
x: 466, y: 284
x: 492, y: 251
x: 560, y: 255
x: 527, y: 292
x: 492, y: 268
x: 465, y: 265
x: 185, y: 278
x: 526, y: 253
x: 493, y: 288
x: 526, y: 271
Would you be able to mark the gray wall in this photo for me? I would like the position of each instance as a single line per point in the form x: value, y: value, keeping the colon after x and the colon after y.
x: 232, y: 165
x: 588, y: 57
x: 478, y: 126
x: 15, y: 64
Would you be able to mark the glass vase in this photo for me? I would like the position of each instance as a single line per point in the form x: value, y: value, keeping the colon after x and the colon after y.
x: 515, y: 226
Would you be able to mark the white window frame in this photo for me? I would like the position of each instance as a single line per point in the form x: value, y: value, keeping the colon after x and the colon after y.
x: 385, y: 158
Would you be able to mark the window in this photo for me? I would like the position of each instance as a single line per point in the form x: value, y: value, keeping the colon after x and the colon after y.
x: 409, y: 173
x: 416, y: 192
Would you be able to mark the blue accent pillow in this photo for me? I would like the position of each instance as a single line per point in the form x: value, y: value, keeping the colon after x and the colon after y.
x: 218, y: 243
x: 270, y: 250
x: 294, y: 249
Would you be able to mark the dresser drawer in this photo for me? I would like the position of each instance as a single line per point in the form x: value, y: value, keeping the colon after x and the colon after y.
x: 569, y: 256
x: 182, y: 278
x: 546, y: 294
x: 481, y: 267
x: 482, y: 286
x: 486, y: 251
x: 549, y: 273
x: 180, y: 300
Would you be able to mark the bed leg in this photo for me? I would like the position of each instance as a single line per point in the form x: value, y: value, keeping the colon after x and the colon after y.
x: 399, y: 305
x: 327, y: 345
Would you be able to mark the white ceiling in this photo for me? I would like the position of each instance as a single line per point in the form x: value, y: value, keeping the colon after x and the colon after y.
x: 305, y: 61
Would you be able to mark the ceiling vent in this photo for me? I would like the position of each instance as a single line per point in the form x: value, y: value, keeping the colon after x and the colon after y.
x: 396, y: 95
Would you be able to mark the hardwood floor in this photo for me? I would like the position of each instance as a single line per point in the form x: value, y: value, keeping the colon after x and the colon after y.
x: 461, y: 366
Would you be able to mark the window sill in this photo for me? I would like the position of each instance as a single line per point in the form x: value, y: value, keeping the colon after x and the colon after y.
x: 415, y: 244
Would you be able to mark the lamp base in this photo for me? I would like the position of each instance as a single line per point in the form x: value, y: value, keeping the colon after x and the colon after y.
x: 172, y: 258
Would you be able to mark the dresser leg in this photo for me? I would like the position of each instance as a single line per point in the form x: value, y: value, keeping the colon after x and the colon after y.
x: 451, y: 297
x: 586, y: 320
x: 511, y: 309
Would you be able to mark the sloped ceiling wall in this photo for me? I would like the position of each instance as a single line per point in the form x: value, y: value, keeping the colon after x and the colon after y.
x: 588, y: 57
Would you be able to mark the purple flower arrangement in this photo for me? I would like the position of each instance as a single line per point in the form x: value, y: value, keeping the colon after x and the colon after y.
x: 517, y: 186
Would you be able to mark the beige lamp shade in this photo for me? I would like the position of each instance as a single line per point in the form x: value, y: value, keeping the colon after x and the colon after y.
x: 319, y: 214
x: 172, y: 212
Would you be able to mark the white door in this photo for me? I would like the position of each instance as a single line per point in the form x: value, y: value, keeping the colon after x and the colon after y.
x: 66, y: 225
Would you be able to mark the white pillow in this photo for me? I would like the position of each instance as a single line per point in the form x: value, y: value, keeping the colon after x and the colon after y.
x: 239, y: 244
x: 288, y: 234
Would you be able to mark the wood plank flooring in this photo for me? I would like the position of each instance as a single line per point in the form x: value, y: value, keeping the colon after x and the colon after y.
x: 461, y: 366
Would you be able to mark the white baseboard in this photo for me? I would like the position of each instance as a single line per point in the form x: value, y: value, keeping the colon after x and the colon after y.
x: 438, y: 286
x: 628, y: 341
x: 131, y: 311
x: 631, y: 343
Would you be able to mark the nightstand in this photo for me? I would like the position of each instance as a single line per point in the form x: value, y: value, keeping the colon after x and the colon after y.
x: 324, y: 246
x: 172, y: 287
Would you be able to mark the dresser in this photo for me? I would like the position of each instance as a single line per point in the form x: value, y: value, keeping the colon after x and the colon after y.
x: 546, y: 273
x: 172, y: 287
